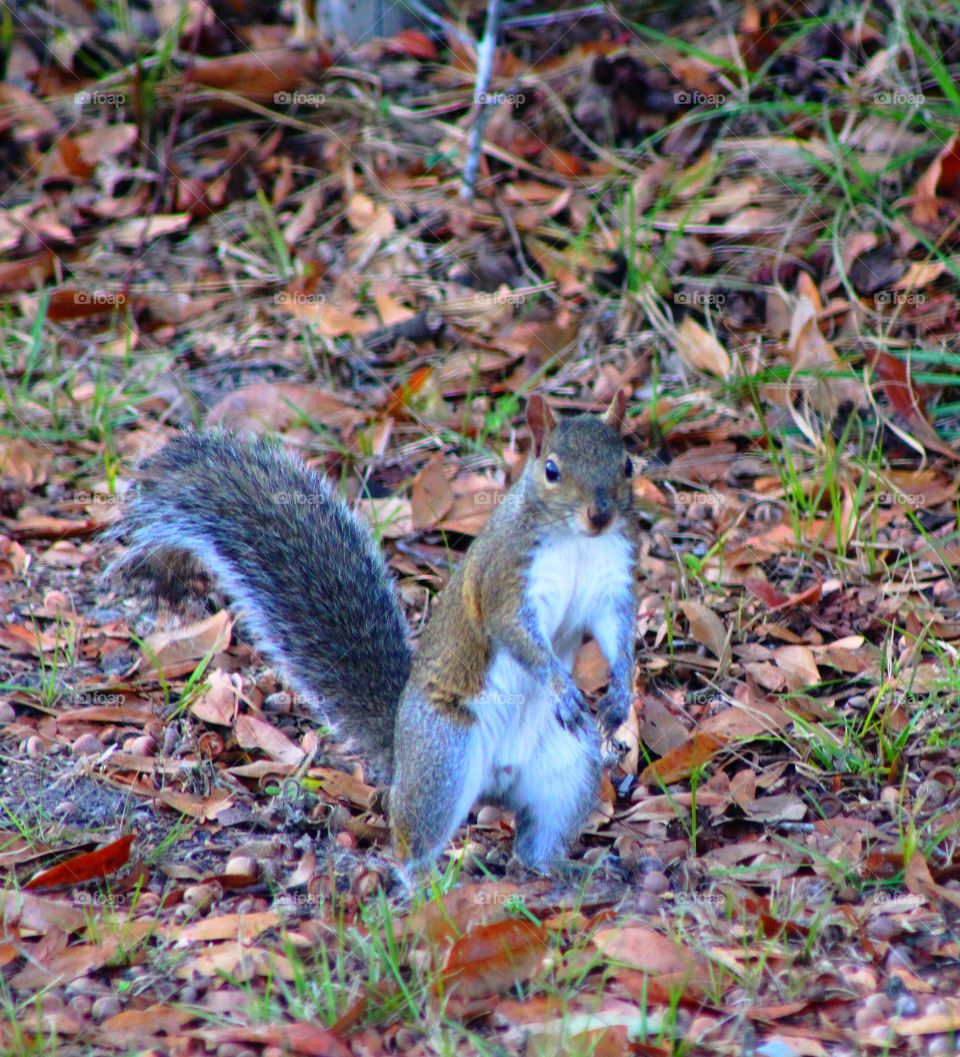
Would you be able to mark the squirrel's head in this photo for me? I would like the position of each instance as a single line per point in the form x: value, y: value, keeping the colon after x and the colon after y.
x: 580, y: 467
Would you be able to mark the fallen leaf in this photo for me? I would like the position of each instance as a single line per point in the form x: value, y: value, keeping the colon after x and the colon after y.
x: 706, y: 627
x: 699, y: 349
x: 431, y: 497
x: 493, y: 959
x: 682, y: 761
x: 273, y: 407
x: 192, y: 642
x: 253, y: 733
x: 87, y: 867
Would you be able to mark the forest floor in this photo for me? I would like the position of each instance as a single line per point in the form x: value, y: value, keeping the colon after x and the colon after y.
x: 751, y: 218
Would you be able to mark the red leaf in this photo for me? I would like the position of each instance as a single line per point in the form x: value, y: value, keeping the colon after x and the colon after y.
x: 86, y: 867
x: 413, y: 43
x: 894, y: 377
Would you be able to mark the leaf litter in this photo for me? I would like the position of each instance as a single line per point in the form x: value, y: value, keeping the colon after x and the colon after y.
x: 258, y: 230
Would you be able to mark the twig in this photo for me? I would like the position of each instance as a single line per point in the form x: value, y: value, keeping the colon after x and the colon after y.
x: 485, y: 54
x: 427, y: 15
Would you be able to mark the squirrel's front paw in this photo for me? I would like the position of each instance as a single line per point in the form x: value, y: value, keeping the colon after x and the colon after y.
x: 612, y: 712
x: 571, y: 707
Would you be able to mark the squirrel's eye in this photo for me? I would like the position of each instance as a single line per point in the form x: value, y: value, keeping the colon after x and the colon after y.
x: 550, y: 471
x: 628, y: 468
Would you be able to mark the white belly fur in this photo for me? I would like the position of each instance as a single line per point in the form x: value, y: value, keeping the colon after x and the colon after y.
x: 573, y: 585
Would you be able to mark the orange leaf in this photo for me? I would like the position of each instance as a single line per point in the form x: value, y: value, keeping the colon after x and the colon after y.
x: 492, y: 958
x: 681, y: 762
x: 86, y: 867
x: 400, y: 397
x: 414, y: 43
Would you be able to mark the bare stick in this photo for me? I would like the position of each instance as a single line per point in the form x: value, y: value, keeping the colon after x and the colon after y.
x: 485, y: 53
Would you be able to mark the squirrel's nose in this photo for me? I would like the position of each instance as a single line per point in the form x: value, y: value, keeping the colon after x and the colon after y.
x: 600, y: 512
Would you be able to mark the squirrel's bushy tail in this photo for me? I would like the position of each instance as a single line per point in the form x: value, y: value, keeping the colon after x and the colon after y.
x: 305, y: 572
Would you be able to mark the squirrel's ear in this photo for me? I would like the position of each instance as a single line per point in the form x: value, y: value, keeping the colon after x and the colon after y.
x: 540, y: 420
x: 614, y: 415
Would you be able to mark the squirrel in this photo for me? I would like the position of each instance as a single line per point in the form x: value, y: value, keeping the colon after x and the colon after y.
x: 486, y: 708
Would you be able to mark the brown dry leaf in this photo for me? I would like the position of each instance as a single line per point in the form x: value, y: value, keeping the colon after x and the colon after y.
x: 493, y: 959
x: 746, y: 721
x: 23, y: 114
x: 457, y: 912
x: 931, y: 1023
x: 431, y: 498
x: 371, y: 220
x: 682, y: 761
x: 919, y: 275
x: 263, y: 76
x: 202, y: 808
x: 707, y: 628
x: 340, y: 786
x: 785, y: 807
x: 24, y: 461
x: 192, y: 642
x: 743, y: 788
x: 660, y: 729
x: 219, y: 702
x: 699, y: 349
x: 941, y: 180
x: 240, y: 927
x: 240, y: 962
x: 798, y: 666
x: 133, y: 1025
x: 253, y: 733
x: 296, y: 1038
x: 106, y: 141
x: 642, y: 947
x: 28, y: 273
x: 41, y: 914
x: 68, y: 964
x: 815, y: 358
x: 919, y: 880
x: 269, y: 407
x: 139, y: 230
